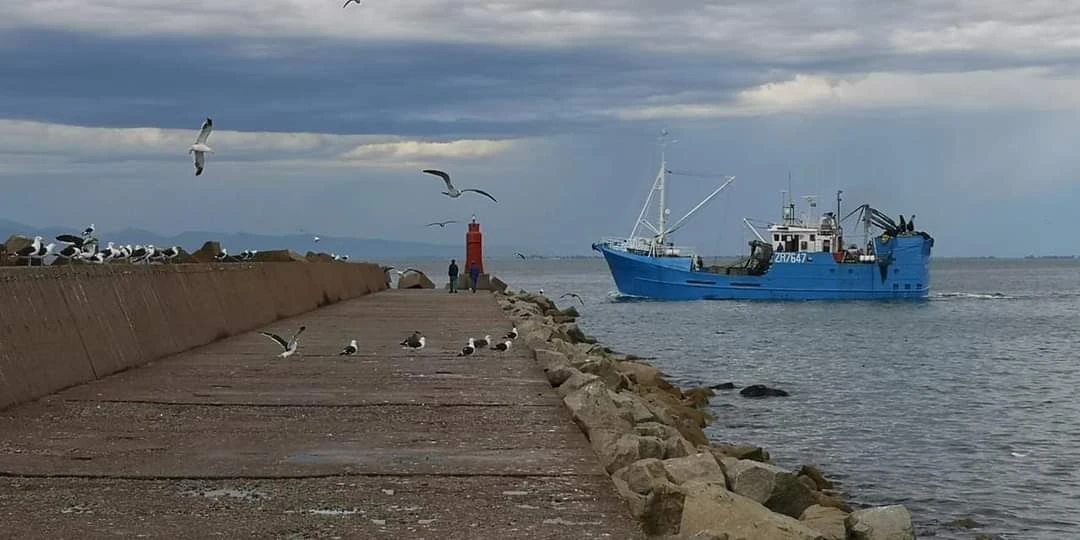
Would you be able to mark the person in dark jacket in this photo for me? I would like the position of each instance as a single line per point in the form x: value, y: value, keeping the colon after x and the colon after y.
x: 474, y: 275
x: 453, y: 275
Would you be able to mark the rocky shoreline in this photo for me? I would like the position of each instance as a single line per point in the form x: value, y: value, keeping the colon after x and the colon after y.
x: 648, y: 435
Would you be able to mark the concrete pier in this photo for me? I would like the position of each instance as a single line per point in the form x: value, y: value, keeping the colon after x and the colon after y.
x: 229, y: 441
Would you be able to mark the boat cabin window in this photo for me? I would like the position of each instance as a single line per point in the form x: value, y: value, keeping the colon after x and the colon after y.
x: 776, y: 237
x: 813, y: 237
x: 803, y: 245
x: 825, y: 246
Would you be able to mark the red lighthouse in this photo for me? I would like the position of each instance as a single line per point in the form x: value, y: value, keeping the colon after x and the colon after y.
x: 474, y: 247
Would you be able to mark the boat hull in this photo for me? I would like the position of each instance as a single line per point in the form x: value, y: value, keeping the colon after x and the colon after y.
x: 902, y: 271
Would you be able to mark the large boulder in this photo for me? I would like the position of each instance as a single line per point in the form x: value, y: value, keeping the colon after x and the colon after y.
x: 16, y: 242
x: 497, y: 284
x: 778, y: 489
x: 881, y: 523
x: 594, y: 409
x: 827, y: 521
x: 576, y: 381
x: 278, y: 255
x: 603, y: 368
x: 575, y: 334
x: 209, y: 252
x: 639, y: 373
x: 700, y: 466
x: 755, y: 453
x: 643, y: 475
x: 816, y: 476
x: 558, y: 374
x: 313, y: 256
x: 617, y: 451
x: 677, y: 446
x: 415, y: 280
x: 635, y: 408
x: 663, y: 510
x: 698, y: 397
x: 708, y: 506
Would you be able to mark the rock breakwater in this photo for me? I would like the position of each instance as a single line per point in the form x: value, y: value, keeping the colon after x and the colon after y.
x: 648, y: 435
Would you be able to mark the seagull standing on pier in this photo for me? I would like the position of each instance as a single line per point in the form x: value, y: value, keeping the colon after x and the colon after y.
x: 481, y: 343
x: 415, y: 342
x: 452, y: 191
x: 469, y: 348
x: 290, y: 346
x: 199, y: 149
x: 349, y: 349
x: 512, y: 334
x: 503, y: 347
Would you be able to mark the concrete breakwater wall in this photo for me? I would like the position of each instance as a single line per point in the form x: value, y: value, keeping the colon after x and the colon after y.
x: 65, y: 326
x: 648, y: 435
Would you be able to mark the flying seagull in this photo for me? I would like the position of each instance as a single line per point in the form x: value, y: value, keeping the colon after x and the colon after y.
x: 452, y: 191
x: 574, y: 295
x: 315, y: 239
x: 349, y: 350
x: 522, y: 255
x: 468, y: 349
x: 512, y: 334
x: 503, y: 347
x: 288, y: 346
x: 441, y: 224
x: 357, y: 2
x: 199, y: 148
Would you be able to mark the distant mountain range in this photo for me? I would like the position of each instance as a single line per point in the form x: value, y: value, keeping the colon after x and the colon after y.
x: 357, y: 248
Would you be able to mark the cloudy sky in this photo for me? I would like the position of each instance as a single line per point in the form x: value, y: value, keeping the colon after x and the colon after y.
x: 965, y: 112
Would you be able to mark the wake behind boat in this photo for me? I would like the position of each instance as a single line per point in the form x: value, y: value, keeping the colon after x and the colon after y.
x: 800, y: 258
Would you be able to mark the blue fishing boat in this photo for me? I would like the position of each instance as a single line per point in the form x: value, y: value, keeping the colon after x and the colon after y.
x: 798, y: 258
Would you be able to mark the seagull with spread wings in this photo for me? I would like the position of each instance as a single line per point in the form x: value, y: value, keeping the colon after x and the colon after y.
x: 441, y: 224
x: 357, y: 2
x: 289, y: 347
x: 574, y: 295
x: 452, y: 191
x: 199, y: 149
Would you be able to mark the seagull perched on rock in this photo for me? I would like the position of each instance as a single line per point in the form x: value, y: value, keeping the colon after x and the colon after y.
x: 288, y: 346
x: 469, y: 348
x: 222, y: 256
x: 452, y: 191
x: 503, y: 347
x: 28, y: 252
x: 199, y: 149
x: 573, y: 295
x: 441, y: 224
x: 512, y: 334
x: 349, y: 349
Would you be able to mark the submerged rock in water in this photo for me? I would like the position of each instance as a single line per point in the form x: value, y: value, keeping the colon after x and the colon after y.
x: 963, y: 523
x: 724, y: 386
x: 882, y: 523
x: 760, y: 390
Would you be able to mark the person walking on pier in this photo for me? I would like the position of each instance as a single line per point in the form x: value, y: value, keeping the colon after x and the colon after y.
x: 453, y: 276
x: 474, y: 276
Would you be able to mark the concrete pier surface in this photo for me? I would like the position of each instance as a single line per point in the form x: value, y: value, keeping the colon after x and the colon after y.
x: 229, y: 441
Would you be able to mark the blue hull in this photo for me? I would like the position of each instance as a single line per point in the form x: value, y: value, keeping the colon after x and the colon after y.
x: 902, y: 272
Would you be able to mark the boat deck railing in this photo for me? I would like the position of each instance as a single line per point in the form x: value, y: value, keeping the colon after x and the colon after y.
x: 648, y: 246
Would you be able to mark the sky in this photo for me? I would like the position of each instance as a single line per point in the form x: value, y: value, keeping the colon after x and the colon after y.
x: 966, y: 113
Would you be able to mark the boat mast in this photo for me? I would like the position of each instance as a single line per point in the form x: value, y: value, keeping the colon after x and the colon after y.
x: 661, y: 180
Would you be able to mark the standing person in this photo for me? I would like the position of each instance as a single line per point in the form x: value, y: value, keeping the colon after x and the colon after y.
x: 474, y: 275
x: 453, y: 276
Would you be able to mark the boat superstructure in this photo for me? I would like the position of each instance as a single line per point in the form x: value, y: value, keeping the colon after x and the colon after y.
x: 800, y: 257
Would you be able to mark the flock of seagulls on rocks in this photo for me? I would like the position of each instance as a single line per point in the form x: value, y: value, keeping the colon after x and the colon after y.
x: 415, y: 342
x: 85, y: 248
